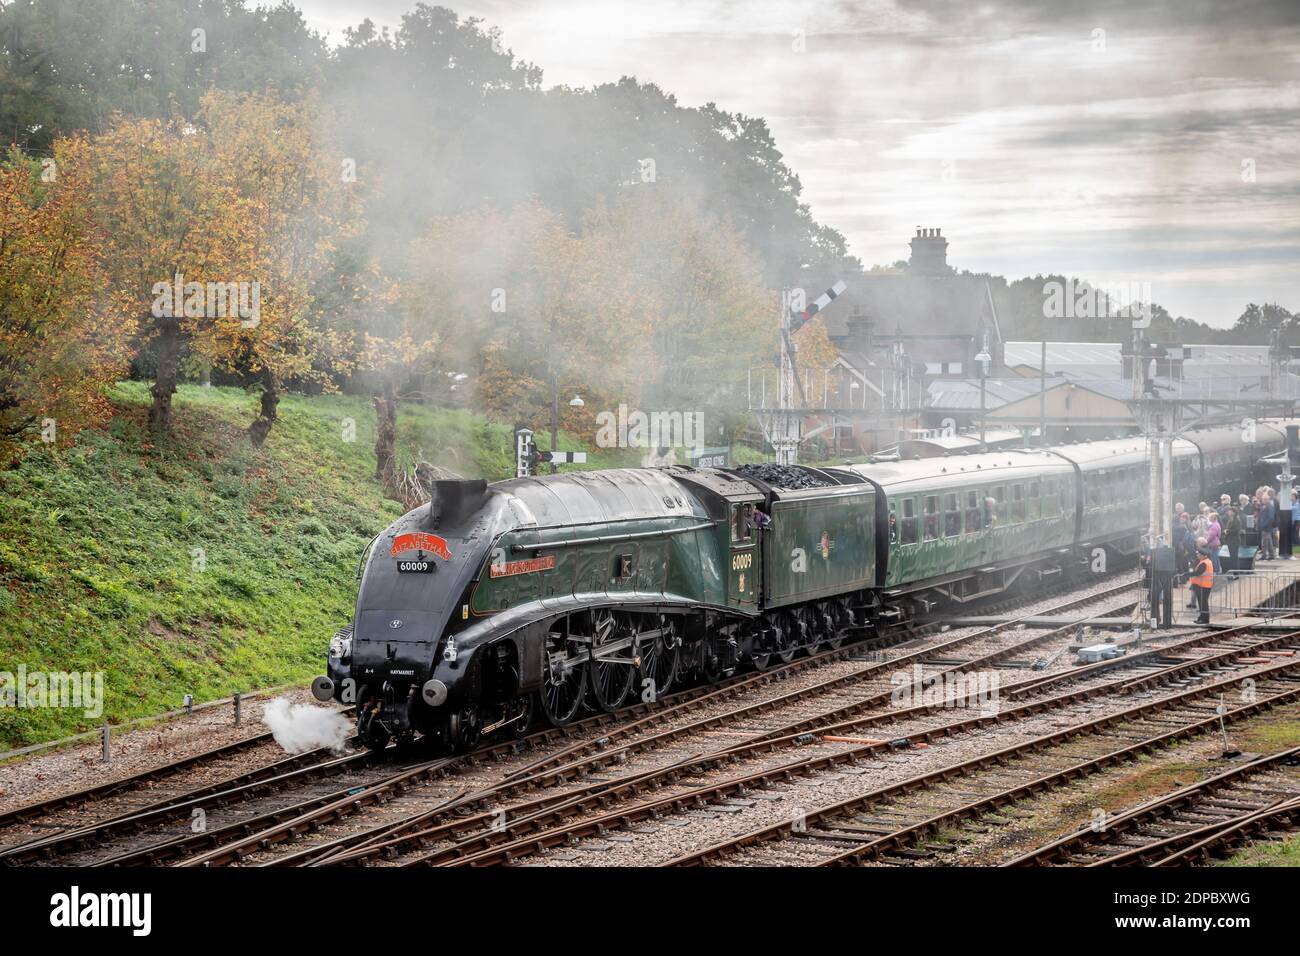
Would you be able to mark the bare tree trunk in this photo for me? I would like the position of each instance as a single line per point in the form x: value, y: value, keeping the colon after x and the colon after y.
x: 164, y: 386
x: 261, y: 426
x: 386, y: 436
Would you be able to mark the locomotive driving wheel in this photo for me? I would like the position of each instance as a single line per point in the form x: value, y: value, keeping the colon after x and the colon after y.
x: 791, y: 635
x: 609, y: 680
x: 842, y: 615
x: 660, y: 655
x: 561, y: 695
x: 463, y: 728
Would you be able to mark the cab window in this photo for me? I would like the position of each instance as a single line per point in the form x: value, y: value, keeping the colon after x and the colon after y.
x: 742, y: 524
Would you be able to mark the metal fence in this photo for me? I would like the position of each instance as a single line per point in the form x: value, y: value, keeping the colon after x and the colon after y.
x: 1261, y: 593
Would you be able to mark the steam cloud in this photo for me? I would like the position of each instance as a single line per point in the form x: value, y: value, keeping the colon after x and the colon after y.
x: 301, y: 727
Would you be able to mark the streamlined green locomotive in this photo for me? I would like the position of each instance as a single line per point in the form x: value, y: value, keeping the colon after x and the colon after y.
x: 541, y: 596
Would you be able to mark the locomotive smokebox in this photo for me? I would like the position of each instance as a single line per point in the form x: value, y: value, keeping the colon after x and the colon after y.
x: 454, y: 499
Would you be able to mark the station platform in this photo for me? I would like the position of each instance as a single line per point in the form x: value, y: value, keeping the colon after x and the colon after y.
x: 1183, y: 620
x: 1234, y: 602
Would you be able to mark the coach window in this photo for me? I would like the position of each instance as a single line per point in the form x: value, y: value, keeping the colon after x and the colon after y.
x: 951, y: 516
x: 931, y: 517
x: 973, y: 523
x: 1050, y: 504
x: 1094, y: 482
x: 909, y: 520
x: 1033, y: 512
x: 1017, y: 503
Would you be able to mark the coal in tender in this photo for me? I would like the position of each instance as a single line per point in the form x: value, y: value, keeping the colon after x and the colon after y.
x: 790, y: 477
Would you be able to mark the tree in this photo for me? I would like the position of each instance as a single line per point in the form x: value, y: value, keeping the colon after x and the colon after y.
x: 174, y: 241
x: 301, y: 202
x: 74, y: 66
x: 57, y: 349
x: 1257, y: 323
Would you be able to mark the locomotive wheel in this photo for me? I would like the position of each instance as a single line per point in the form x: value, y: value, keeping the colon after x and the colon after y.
x: 463, y: 729
x: 561, y: 695
x: 609, y: 683
x: 790, y: 635
x: 661, y: 657
x: 842, y: 617
x: 523, y: 706
x: 372, y: 732
x: 764, y: 659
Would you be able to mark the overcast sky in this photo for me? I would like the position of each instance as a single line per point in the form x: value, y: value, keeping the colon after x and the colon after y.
x: 1117, y: 140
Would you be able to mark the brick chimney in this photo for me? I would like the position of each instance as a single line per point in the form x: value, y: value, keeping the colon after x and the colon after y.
x: 929, y: 254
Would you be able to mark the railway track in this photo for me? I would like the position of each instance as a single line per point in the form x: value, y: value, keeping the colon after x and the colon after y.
x: 1169, y: 825
x: 323, y: 806
x: 519, y: 841
x: 919, y: 807
x: 524, y: 821
x: 284, y: 774
x: 589, y: 756
x: 1277, y: 821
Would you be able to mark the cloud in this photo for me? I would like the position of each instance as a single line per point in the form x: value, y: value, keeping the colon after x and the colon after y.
x: 1011, y: 124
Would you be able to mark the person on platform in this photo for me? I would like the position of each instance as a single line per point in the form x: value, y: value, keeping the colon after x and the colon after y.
x: 1214, y: 540
x: 1233, y: 533
x: 1184, y: 544
x: 1198, y: 546
x: 1292, y: 540
x: 1267, y: 523
x: 1202, y: 584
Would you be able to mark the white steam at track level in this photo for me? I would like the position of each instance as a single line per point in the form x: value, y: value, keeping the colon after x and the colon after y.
x: 301, y: 727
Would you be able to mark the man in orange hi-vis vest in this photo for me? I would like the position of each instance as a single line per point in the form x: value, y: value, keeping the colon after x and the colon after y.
x: 1202, y: 582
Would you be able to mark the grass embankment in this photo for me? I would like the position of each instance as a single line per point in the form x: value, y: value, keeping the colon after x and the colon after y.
x: 196, y: 563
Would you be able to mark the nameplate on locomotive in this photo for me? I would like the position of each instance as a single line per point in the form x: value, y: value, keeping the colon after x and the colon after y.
x: 526, y: 566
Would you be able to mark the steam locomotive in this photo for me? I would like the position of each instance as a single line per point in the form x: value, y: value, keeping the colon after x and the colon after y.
x: 496, y: 603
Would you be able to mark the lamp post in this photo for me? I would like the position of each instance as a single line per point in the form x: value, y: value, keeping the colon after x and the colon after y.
x: 575, y: 402
x: 983, y: 363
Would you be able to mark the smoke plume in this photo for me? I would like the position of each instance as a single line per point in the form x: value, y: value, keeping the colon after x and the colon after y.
x: 301, y: 727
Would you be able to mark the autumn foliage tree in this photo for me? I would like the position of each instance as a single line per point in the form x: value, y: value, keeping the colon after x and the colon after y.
x: 300, y: 199
x: 171, y: 223
x: 215, y: 231
x: 57, y: 348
